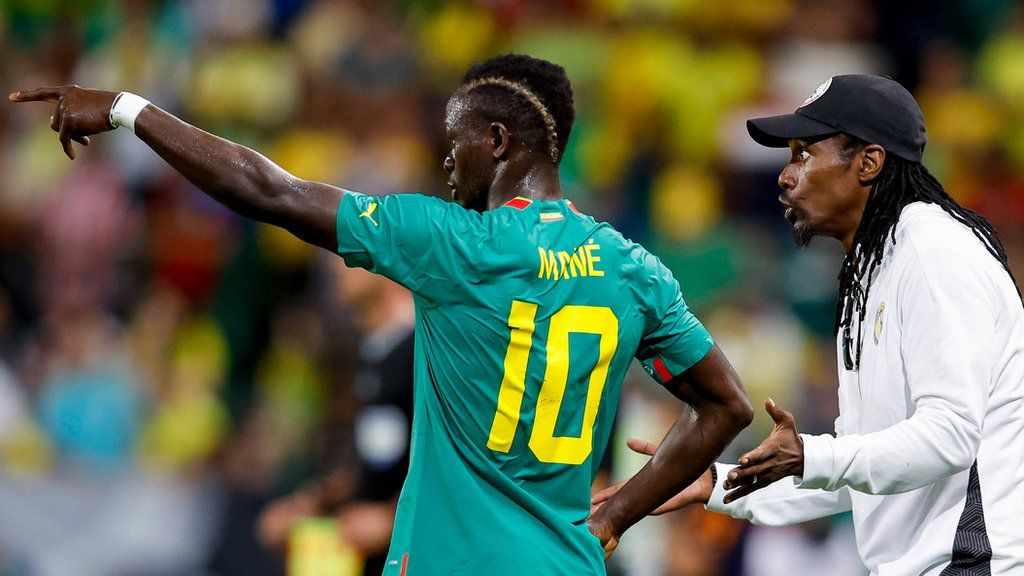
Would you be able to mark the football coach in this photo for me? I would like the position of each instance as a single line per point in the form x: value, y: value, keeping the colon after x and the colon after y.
x: 928, y: 451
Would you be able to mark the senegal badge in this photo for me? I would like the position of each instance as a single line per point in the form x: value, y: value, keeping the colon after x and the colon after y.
x: 879, y: 320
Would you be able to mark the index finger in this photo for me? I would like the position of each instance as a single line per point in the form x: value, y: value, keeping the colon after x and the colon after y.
x: 43, y: 94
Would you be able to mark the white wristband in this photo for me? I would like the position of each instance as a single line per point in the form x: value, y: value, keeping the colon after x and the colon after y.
x: 125, y: 109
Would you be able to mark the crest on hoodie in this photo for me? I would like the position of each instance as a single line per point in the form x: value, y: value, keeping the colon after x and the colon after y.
x: 879, y: 321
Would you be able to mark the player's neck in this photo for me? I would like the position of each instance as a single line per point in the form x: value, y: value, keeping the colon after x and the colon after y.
x: 538, y: 181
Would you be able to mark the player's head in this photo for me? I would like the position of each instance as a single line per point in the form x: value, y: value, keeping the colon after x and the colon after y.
x: 511, y: 108
x: 856, y: 146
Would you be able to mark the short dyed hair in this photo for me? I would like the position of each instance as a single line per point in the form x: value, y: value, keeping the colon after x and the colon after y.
x: 530, y: 95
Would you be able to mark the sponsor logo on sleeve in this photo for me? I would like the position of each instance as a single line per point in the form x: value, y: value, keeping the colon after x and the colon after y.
x: 368, y: 214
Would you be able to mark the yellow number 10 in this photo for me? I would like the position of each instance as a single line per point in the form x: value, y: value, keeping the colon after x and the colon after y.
x: 545, y: 445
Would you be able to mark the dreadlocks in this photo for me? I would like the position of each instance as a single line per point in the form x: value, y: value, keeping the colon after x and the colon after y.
x: 899, y: 183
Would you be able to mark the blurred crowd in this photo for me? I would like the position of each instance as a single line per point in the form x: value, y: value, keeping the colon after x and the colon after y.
x: 168, y: 369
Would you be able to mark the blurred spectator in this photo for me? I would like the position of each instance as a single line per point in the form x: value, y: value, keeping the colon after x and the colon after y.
x: 90, y: 403
x: 89, y: 509
x: 190, y: 422
x: 270, y: 450
x: 23, y: 447
x: 364, y: 507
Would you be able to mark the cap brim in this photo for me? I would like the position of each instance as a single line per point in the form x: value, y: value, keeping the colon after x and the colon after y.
x: 777, y: 131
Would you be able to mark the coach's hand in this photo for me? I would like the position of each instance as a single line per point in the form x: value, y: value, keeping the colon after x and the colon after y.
x: 697, y: 493
x: 780, y: 455
x: 80, y: 112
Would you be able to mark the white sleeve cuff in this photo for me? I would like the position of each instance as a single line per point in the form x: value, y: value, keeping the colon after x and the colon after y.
x: 819, y: 462
x: 715, y: 502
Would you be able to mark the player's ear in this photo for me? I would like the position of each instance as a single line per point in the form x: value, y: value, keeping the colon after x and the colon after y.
x: 871, y: 159
x: 499, y: 140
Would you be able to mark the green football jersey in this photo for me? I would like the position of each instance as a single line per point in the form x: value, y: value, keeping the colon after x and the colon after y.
x: 527, y: 318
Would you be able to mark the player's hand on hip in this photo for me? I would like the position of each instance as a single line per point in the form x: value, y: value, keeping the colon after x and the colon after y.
x: 697, y: 492
x: 79, y: 112
x: 603, y: 531
x: 780, y: 455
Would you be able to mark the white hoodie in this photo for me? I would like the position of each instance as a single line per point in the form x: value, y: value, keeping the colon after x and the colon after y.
x: 929, y: 446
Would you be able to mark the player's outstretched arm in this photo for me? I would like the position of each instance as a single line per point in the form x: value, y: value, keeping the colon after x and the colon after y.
x: 717, y: 410
x: 238, y: 177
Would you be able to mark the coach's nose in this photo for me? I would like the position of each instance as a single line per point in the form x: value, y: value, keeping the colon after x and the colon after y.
x: 787, y: 181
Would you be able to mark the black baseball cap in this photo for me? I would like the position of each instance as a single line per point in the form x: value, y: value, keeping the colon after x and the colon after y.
x: 874, y: 109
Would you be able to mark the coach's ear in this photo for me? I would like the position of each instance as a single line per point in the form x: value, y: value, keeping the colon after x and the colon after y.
x: 499, y: 140
x: 871, y: 159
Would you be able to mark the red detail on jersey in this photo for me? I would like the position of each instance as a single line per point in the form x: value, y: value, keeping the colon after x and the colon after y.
x: 573, y: 207
x: 659, y: 365
x: 405, y: 564
x: 519, y: 202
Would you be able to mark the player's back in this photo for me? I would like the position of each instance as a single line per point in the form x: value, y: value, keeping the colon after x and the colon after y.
x: 528, y: 317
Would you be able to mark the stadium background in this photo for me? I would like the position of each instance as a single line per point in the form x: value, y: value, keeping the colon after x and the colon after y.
x: 162, y: 357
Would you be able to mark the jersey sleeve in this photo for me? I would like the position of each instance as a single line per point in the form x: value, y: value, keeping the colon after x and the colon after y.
x: 420, y: 242
x: 674, y: 339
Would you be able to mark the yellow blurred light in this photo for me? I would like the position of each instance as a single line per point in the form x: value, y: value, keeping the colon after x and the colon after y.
x: 737, y: 16
x: 455, y: 36
x: 257, y: 83
x: 186, y: 430
x: 685, y: 202
x: 27, y: 450
x: 1001, y: 67
x: 961, y: 118
x: 317, y: 547
x: 312, y: 154
x: 200, y: 355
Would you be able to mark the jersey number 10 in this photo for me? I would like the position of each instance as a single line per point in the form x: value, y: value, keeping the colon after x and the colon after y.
x: 547, y: 447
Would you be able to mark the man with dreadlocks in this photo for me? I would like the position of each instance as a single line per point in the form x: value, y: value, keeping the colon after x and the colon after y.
x: 930, y: 338
x: 528, y: 314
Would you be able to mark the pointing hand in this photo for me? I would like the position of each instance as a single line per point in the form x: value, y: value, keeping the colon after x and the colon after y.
x: 79, y: 112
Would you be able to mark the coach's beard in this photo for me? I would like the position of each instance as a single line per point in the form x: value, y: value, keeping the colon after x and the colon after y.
x: 802, y: 231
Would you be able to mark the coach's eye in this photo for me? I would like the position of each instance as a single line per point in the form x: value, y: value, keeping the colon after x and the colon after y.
x: 804, y: 155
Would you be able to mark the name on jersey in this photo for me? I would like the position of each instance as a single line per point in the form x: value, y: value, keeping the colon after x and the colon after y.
x: 562, y: 265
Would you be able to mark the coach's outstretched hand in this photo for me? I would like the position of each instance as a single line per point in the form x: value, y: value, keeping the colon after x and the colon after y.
x: 780, y: 455
x: 80, y: 112
x: 698, y: 492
